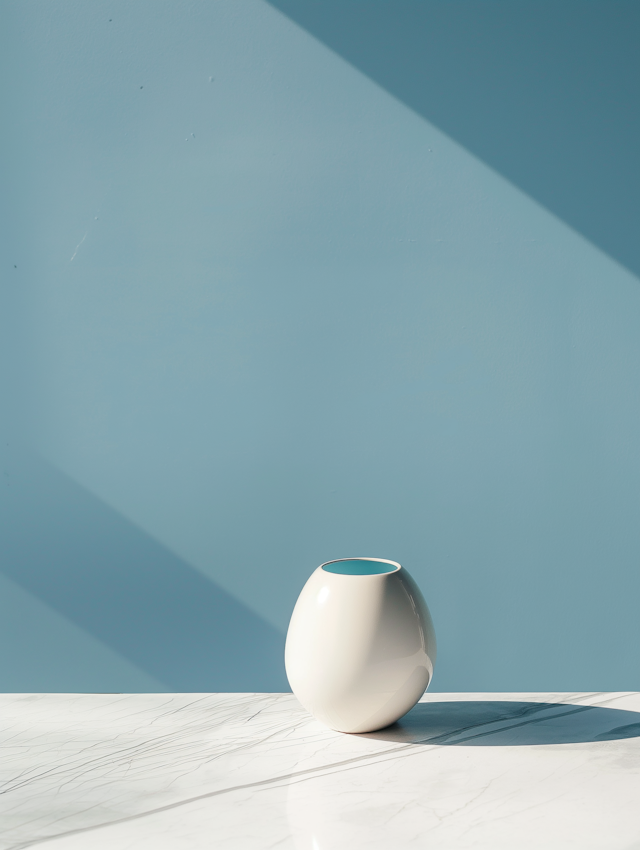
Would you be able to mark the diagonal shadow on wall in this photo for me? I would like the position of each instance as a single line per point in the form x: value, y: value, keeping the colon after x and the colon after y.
x: 89, y: 563
x: 546, y: 92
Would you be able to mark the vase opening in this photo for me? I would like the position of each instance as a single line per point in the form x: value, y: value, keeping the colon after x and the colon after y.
x: 361, y: 567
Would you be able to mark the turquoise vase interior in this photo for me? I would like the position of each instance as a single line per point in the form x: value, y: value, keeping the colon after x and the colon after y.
x: 360, y: 567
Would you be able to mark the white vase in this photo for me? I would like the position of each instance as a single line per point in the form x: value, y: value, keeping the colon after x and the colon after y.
x: 361, y: 646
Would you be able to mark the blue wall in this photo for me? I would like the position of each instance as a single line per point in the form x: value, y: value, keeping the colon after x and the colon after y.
x: 289, y: 282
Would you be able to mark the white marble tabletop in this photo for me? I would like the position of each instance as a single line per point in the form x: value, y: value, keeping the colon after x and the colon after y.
x: 183, y: 771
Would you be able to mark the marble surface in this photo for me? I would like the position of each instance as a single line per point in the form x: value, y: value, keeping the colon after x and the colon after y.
x: 184, y: 771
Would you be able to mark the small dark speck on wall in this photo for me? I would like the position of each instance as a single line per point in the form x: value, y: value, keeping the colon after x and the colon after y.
x: 15, y: 267
x: 141, y: 87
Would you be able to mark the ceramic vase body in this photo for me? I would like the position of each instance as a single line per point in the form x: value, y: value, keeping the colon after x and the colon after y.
x: 360, y: 647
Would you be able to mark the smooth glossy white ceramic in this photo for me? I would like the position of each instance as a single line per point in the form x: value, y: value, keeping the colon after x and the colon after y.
x: 360, y: 649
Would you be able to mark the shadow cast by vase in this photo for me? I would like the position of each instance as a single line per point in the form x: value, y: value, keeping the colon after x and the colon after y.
x: 501, y: 723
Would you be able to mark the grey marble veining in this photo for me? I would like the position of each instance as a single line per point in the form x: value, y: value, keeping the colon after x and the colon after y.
x: 186, y: 771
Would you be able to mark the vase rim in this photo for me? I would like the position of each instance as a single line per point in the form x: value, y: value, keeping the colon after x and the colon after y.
x: 395, y: 566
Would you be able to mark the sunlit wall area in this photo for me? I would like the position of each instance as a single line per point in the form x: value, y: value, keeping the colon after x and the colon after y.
x: 283, y: 283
